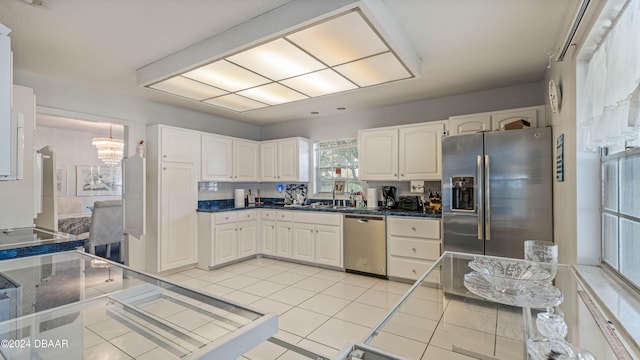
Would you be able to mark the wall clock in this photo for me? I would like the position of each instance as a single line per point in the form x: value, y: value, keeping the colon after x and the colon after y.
x: 554, y: 96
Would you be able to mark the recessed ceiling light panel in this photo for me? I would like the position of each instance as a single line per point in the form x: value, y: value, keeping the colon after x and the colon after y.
x: 320, y: 83
x: 272, y: 94
x: 188, y: 88
x: 227, y: 76
x: 236, y: 103
x: 340, y: 40
x: 277, y: 60
x: 374, y: 70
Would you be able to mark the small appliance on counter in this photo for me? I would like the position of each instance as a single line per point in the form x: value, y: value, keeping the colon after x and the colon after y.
x: 389, y: 197
x: 410, y: 203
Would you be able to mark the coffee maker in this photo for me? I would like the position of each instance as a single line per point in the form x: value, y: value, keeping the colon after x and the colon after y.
x: 389, y: 197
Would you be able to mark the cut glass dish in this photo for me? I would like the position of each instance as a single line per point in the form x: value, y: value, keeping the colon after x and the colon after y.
x: 509, y: 276
x: 538, y: 295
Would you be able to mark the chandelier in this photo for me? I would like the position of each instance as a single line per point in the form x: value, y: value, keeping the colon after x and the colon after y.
x: 110, y: 150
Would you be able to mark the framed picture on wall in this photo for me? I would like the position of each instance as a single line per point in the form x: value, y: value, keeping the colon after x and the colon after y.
x: 61, y: 180
x: 98, y: 180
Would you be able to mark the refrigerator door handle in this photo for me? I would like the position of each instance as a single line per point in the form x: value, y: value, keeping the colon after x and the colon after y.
x: 487, y: 194
x: 479, y: 201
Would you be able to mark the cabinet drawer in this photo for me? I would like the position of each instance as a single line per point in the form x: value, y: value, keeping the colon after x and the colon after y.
x: 412, y: 227
x: 407, y: 268
x: 225, y: 217
x: 418, y: 249
x: 284, y: 215
x: 268, y: 214
x: 247, y: 215
x: 318, y: 218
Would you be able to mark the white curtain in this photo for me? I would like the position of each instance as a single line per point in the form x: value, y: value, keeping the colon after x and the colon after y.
x: 611, y: 110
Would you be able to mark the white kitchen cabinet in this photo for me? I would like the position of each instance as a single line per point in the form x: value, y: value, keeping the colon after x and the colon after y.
x: 304, y: 242
x: 179, y: 145
x: 284, y: 240
x: 172, y: 158
x: 328, y: 242
x: 421, y: 152
x: 228, y: 159
x: 225, y: 244
x: 284, y: 160
x: 217, y: 158
x: 268, y: 236
x: 317, y: 238
x: 247, y: 235
x: 226, y: 236
x: 495, y: 120
x: 413, y: 245
x: 469, y: 124
x: 378, y: 154
x: 245, y: 160
x: 401, y: 152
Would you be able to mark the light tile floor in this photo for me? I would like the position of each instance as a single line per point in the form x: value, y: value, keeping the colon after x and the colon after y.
x: 323, y: 310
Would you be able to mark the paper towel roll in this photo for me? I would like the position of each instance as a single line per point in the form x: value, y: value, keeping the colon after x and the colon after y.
x: 239, y: 198
x: 372, y: 197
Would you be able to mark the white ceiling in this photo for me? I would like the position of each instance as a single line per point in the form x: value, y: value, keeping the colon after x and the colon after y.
x: 465, y: 45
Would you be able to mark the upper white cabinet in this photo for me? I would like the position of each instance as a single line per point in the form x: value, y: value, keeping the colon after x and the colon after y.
x: 172, y: 158
x: 228, y: 159
x: 217, y: 158
x: 410, y: 152
x: 245, y: 160
x: 421, y: 152
x: 378, y: 154
x: 179, y: 145
x: 284, y: 160
x: 495, y: 120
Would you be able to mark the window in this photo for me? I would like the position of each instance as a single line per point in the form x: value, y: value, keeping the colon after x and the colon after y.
x: 621, y: 213
x: 336, y: 160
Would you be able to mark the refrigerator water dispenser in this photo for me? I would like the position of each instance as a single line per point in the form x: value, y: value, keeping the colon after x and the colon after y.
x: 462, y: 193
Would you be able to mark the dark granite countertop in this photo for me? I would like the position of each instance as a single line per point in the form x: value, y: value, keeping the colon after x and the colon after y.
x: 343, y: 210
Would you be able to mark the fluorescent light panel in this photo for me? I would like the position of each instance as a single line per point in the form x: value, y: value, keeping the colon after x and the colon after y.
x: 339, y: 54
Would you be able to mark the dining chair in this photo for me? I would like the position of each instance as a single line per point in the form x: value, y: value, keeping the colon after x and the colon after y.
x: 106, y: 226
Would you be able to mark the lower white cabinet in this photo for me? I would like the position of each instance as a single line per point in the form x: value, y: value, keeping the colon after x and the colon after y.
x: 225, y: 237
x: 284, y: 240
x: 413, y: 245
x: 317, y: 238
x: 303, y: 242
x: 268, y: 236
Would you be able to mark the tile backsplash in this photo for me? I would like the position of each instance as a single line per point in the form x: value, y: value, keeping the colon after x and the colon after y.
x: 295, y: 193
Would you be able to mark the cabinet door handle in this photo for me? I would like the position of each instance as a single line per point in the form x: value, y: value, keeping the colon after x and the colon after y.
x: 414, y: 249
x: 395, y: 174
x: 413, y: 228
x: 414, y: 271
x: 401, y: 174
x: 164, y: 156
x: 164, y: 168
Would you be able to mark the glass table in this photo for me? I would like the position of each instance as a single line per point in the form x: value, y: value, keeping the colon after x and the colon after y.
x: 75, y: 305
x: 439, y: 318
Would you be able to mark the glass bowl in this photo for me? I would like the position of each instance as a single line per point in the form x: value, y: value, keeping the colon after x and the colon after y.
x: 509, y: 276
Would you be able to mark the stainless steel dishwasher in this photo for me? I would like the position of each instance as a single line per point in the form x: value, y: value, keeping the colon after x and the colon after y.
x: 365, y: 244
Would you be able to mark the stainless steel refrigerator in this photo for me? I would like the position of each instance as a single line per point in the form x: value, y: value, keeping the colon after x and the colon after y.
x: 497, y: 191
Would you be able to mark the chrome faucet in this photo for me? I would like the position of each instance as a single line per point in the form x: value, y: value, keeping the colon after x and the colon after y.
x: 333, y: 194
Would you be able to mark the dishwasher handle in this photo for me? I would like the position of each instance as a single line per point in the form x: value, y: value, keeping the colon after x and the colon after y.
x: 364, y: 218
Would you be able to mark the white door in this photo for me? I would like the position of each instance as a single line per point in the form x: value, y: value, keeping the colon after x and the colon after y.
x: 268, y: 237
x: 225, y: 244
x: 216, y: 158
x: 288, y: 160
x: 245, y: 161
x: 378, y: 154
x: 420, y: 152
x: 178, y: 240
x: 469, y: 124
x: 247, y: 238
x: 303, y: 242
x: 284, y: 240
x: 328, y: 241
x: 178, y: 145
x: 269, y: 161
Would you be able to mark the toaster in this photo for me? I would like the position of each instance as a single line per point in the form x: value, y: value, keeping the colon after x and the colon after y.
x: 410, y: 203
